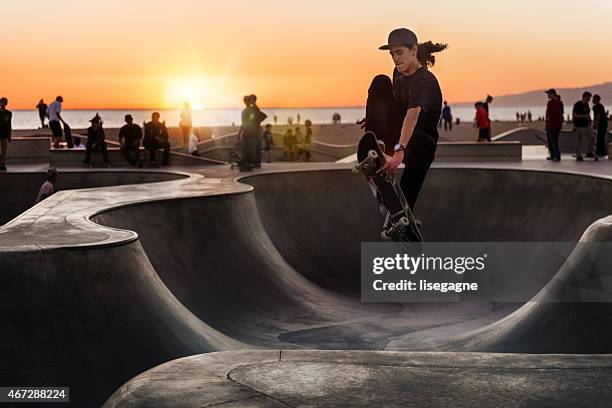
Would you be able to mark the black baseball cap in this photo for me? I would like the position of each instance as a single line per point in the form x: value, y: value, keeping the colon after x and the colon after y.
x: 551, y: 91
x: 400, y: 36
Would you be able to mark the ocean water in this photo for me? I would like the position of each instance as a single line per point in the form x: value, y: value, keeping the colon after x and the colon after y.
x: 77, y: 119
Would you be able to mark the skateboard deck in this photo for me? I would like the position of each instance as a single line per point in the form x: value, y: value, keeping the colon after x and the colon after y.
x: 68, y: 136
x: 400, y: 223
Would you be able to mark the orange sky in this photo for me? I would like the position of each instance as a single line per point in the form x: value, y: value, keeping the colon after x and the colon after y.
x: 145, y: 54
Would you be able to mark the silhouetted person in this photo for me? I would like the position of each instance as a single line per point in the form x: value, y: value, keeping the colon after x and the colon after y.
x: 298, y: 118
x: 447, y: 117
x: 417, y: 92
x: 288, y: 144
x: 96, y: 139
x: 156, y: 137
x: 529, y: 116
x: 554, y: 123
x: 275, y: 120
x: 336, y: 118
x: 6, y: 129
x: 48, y: 187
x: 55, y: 120
x: 268, y: 142
x: 600, y: 126
x: 252, y: 117
x: 485, y: 106
x: 185, y: 123
x: 130, y: 135
x: 42, y: 113
x: 481, y: 121
x: 584, y: 135
x: 308, y: 140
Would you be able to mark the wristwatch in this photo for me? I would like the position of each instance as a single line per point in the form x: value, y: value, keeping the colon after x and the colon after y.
x: 399, y: 147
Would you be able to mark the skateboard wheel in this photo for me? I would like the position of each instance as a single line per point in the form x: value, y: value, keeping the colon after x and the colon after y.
x: 404, y: 221
x: 372, y: 154
x: 355, y: 169
x: 385, y: 235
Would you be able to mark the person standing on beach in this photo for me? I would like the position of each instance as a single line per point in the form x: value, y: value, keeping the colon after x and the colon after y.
x: 581, y: 115
x: 447, y: 117
x: 268, y: 142
x: 417, y: 96
x: 308, y: 140
x: 185, y: 123
x: 554, y: 123
x: 481, y: 121
x: 42, y: 113
x: 55, y: 120
x: 6, y: 128
x: 600, y: 126
x: 485, y: 106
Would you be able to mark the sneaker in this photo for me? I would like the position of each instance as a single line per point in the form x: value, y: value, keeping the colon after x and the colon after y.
x: 3, y: 168
x: 556, y: 160
x: 579, y: 158
x: 549, y: 158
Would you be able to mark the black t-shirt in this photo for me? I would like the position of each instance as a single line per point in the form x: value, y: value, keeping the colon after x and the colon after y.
x: 599, y: 112
x: 5, y: 124
x: 581, y: 108
x: 420, y: 89
x: 132, y: 134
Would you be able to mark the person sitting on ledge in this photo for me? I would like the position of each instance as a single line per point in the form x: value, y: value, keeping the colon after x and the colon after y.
x: 156, y: 137
x: 96, y: 140
x: 47, y: 187
x: 129, y: 137
x: 77, y: 144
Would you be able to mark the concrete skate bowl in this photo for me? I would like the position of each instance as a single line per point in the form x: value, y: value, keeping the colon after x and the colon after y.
x: 19, y: 190
x: 232, y: 267
x: 281, y: 264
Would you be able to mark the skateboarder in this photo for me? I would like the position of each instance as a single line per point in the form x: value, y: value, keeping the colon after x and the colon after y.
x: 412, y: 106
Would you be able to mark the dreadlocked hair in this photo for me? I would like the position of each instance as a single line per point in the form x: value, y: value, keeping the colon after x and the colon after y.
x: 425, y: 51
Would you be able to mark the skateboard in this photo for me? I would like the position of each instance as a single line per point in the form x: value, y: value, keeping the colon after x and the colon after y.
x: 68, y: 136
x: 237, y: 162
x: 400, y: 223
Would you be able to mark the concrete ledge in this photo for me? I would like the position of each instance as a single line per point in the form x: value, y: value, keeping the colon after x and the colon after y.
x: 75, y: 157
x: 370, y: 378
x: 474, y: 151
x: 28, y: 149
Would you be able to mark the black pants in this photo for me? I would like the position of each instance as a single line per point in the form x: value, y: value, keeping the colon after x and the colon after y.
x: 130, y: 152
x: 249, y: 148
x: 553, y: 143
x: 153, y: 145
x: 448, y: 124
x: 89, y: 147
x: 421, y: 149
x: 602, y: 142
x: 56, y: 129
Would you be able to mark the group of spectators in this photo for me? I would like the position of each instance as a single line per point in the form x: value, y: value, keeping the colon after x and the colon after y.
x: 253, y: 142
x: 298, y: 145
x: 591, y: 132
x: 155, y: 137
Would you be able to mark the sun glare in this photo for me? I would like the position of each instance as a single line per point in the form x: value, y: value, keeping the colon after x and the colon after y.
x: 195, y: 90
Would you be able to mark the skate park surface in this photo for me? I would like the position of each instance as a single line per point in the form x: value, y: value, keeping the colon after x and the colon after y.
x: 252, y: 284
